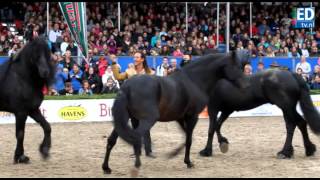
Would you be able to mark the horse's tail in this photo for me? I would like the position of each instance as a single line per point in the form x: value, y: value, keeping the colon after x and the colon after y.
x: 310, y: 112
x: 121, y: 117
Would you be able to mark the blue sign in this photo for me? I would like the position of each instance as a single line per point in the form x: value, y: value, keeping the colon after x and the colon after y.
x: 305, y: 17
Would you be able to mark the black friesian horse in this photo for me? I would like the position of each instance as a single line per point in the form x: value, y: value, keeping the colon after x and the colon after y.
x: 282, y: 88
x: 22, y: 79
x: 180, y: 96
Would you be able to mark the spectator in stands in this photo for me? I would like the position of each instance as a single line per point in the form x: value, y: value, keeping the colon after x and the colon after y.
x: 13, y: 50
x: 140, y: 67
x: 162, y: 69
x: 260, y: 66
x: 110, y: 86
x: 76, y: 78
x: 64, y: 45
x: 94, y: 80
x: 305, y: 67
x: 177, y: 52
x: 60, y: 78
x: 68, y: 61
x: 72, y: 48
x: 93, y: 62
x: 109, y: 74
x: 314, y: 52
x: 299, y: 71
x: 85, y: 89
x: 173, y: 66
x: 186, y: 59
x: 53, y: 35
x: 293, y: 53
x: 102, y: 64
x: 247, y: 70
x: 315, y: 78
x: 68, y: 90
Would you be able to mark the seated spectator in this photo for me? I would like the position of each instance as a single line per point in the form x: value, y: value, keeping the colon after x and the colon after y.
x: 304, y: 66
x: 102, y: 65
x: 94, y: 80
x: 314, y: 52
x: 76, y: 78
x: 85, y: 89
x: 304, y: 50
x: 109, y: 87
x: 60, y: 78
x: 68, y: 61
x: 293, y: 53
x: 64, y: 45
x: 109, y: 74
x: 72, y: 48
x: 13, y: 50
x: 68, y: 90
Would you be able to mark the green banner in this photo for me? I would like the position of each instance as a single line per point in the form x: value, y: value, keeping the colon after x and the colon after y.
x: 75, y: 15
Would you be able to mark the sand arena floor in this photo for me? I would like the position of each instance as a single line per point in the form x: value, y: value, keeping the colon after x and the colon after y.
x: 78, y: 150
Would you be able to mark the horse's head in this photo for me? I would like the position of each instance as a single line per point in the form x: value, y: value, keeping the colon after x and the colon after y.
x: 38, y: 56
x: 231, y: 69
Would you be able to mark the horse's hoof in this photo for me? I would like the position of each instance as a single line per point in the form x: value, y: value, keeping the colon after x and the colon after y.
x: 22, y: 160
x: 283, y: 156
x: 151, y: 155
x: 224, y: 147
x: 44, y: 152
x: 134, y: 172
x: 311, y: 150
x: 107, y: 170
x: 206, y: 152
x: 190, y: 165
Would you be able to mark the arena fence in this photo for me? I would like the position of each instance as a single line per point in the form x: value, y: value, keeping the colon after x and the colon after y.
x: 154, y: 61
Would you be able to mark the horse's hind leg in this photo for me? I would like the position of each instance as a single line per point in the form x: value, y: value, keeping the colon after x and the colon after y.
x: 287, y: 150
x: 146, y: 138
x: 310, y: 148
x: 46, y: 143
x: 19, y: 156
x: 207, y: 151
x: 188, y: 125
x: 112, y: 140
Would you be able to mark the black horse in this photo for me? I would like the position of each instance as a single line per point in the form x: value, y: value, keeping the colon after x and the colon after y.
x: 180, y: 96
x: 22, y: 79
x: 280, y: 87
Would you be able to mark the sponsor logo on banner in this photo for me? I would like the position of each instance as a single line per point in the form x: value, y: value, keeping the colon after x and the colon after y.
x: 303, y: 17
x: 72, y: 113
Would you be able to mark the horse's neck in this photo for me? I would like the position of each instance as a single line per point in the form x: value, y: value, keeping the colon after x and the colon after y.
x: 26, y: 73
x: 203, y: 77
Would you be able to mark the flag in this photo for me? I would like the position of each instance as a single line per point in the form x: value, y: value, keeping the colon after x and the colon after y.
x: 74, y: 14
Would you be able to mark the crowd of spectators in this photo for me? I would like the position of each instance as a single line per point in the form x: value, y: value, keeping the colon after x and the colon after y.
x: 157, y: 28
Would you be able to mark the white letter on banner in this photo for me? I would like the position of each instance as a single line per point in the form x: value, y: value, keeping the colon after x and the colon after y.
x: 300, y: 14
x: 307, y: 12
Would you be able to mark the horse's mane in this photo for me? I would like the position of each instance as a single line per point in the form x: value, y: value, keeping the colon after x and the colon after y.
x: 205, y: 60
x: 31, y: 52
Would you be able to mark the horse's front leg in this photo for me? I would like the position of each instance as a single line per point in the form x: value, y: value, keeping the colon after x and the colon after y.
x: 223, y: 142
x: 46, y: 143
x: 19, y: 156
x: 207, y: 151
